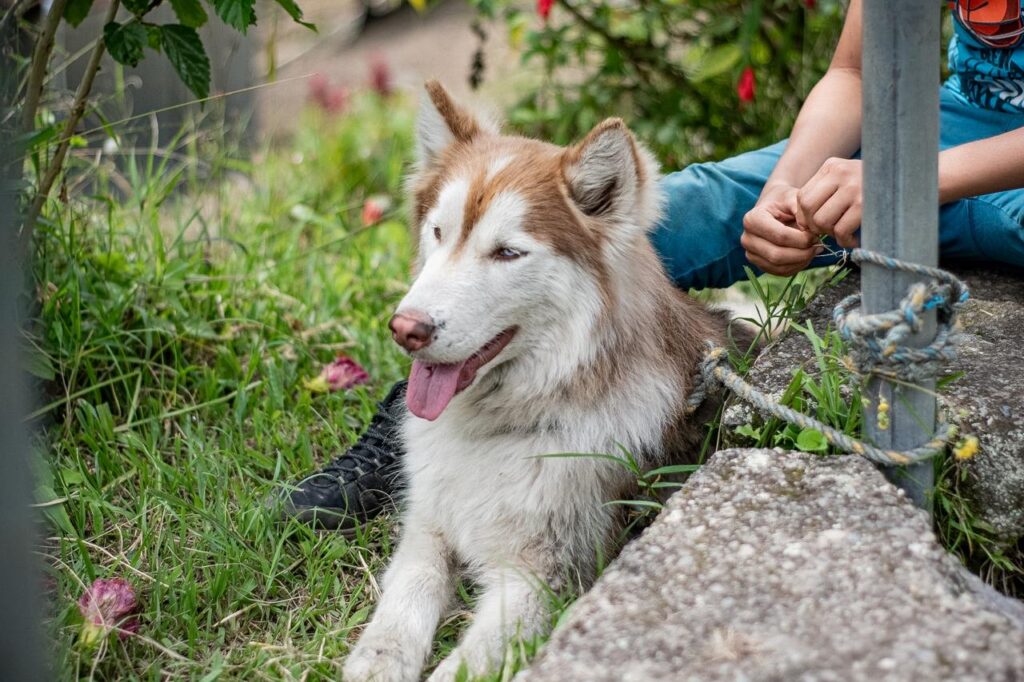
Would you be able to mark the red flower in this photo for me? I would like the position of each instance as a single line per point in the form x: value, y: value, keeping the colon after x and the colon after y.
x: 745, y: 88
x: 373, y: 211
x: 380, y: 76
x: 106, y: 606
x: 333, y: 100
x: 810, y: 4
x: 544, y: 8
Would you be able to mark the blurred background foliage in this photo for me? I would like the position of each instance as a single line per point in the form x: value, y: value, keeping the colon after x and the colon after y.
x: 696, y: 79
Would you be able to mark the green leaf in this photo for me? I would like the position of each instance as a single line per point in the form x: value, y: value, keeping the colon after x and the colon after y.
x: 718, y: 61
x: 137, y: 7
x: 189, y: 12
x: 673, y: 469
x: 811, y: 440
x: 125, y: 42
x: 39, y: 365
x: 237, y: 13
x: 748, y: 431
x: 153, y: 36
x: 295, y: 12
x: 54, y: 510
x: 182, y: 46
x: 76, y: 11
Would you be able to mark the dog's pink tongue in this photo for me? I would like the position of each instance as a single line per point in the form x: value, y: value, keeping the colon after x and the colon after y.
x: 431, y: 388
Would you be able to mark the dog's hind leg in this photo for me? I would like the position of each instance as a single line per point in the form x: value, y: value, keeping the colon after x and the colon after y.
x: 416, y: 590
x: 513, y: 604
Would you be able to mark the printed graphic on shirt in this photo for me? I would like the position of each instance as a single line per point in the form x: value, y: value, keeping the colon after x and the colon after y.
x: 984, y: 76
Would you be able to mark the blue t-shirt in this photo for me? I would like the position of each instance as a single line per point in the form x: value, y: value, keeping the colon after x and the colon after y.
x: 984, y: 76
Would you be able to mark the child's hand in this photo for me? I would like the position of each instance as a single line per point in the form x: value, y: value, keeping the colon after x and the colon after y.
x: 830, y: 203
x: 771, y: 237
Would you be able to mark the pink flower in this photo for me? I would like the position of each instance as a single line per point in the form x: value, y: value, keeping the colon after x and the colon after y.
x: 333, y: 100
x: 106, y: 606
x: 340, y: 375
x: 544, y: 8
x: 344, y: 373
x: 373, y: 211
x: 745, y: 88
x: 318, y: 86
x: 380, y: 76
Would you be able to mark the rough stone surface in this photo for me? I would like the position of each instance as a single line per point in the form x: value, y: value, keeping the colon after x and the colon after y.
x: 987, y: 401
x: 785, y: 566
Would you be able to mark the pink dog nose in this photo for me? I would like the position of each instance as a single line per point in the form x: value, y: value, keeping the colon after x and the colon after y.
x: 412, y: 330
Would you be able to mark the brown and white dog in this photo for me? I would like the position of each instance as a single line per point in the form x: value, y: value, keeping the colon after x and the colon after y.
x: 540, y: 321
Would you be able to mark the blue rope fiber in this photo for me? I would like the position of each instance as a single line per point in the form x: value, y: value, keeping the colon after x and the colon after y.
x: 877, y: 346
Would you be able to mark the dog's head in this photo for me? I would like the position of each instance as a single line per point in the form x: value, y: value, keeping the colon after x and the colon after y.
x: 517, y: 240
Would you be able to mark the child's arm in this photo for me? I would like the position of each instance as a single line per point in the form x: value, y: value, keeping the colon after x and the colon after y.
x: 828, y: 126
x: 830, y: 120
x: 830, y: 202
x: 990, y: 165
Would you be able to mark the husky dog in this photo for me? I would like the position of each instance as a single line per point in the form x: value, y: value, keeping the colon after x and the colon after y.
x: 540, y: 321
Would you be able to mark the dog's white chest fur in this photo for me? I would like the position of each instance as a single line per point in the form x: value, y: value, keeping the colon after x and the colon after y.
x: 496, y: 499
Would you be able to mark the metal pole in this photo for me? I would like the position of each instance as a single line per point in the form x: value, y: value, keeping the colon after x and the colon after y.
x: 900, y: 139
x: 20, y: 650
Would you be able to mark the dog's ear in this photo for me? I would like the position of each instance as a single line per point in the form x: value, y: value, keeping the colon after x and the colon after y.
x: 610, y: 175
x: 441, y: 122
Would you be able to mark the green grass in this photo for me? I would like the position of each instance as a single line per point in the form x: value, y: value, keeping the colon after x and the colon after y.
x: 179, y: 309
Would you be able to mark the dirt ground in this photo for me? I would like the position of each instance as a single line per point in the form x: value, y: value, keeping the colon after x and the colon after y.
x: 436, y: 44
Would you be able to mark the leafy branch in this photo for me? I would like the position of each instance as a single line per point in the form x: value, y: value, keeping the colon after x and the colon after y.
x: 57, y: 162
x: 40, y: 60
x: 126, y: 42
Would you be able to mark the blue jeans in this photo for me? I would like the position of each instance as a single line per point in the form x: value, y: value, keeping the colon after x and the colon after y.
x: 698, y: 239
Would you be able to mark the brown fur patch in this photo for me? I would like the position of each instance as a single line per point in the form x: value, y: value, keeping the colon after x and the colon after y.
x: 461, y: 123
x: 534, y: 171
x: 478, y: 200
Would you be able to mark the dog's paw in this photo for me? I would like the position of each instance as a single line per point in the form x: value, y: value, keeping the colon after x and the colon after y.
x: 447, y: 670
x: 380, y: 659
x: 459, y: 659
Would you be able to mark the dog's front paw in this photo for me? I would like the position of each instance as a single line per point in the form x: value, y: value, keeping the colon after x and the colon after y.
x: 381, y: 659
x: 447, y: 670
x: 459, y: 659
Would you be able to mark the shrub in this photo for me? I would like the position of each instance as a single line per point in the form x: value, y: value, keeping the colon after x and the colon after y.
x: 696, y: 79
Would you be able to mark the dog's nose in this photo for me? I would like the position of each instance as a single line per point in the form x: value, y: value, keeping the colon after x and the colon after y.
x: 412, y: 329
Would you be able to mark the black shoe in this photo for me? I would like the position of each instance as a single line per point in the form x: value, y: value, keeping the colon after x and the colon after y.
x: 358, y: 485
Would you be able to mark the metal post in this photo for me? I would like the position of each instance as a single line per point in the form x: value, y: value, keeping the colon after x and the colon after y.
x: 20, y: 650
x: 900, y: 138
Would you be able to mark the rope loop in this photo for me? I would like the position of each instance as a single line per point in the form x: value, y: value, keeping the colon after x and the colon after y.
x: 878, y: 341
x: 877, y: 346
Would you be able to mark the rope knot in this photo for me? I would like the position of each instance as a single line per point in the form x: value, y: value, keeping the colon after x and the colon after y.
x: 878, y: 341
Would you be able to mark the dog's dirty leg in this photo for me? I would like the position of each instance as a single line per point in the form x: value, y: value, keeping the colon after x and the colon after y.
x: 512, y: 605
x: 416, y: 590
x: 899, y: 143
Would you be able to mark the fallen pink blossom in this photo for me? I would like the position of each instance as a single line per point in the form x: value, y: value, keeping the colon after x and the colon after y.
x: 108, y: 605
x: 340, y: 375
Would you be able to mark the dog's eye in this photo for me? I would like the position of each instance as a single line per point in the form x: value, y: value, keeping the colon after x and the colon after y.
x: 437, y: 233
x: 506, y: 253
